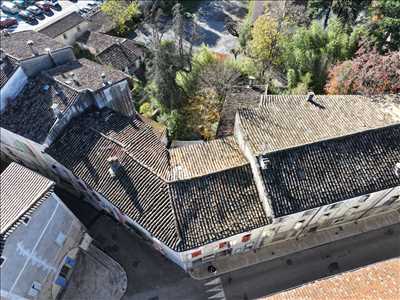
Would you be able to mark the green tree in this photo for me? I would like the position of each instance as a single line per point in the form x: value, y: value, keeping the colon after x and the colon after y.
x: 384, y: 25
x: 265, y: 45
x: 346, y: 10
x: 121, y: 12
x: 311, y: 51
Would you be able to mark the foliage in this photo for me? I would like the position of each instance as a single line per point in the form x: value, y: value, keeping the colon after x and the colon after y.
x: 384, y: 25
x: 146, y: 110
x: 171, y: 120
x: 201, y: 115
x: 265, y: 43
x: 367, y: 74
x: 244, y: 65
x: 121, y: 12
x: 346, y: 11
x: 310, y: 51
x: 170, y: 58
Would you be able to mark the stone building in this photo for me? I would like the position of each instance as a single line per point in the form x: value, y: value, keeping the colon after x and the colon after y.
x: 122, y: 54
x: 41, y: 241
x: 294, y: 165
x: 25, y: 54
x: 66, y: 29
x: 263, y: 185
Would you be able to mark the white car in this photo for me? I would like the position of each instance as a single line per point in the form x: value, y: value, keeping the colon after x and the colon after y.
x: 52, y: 3
x: 34, y: 10
x: 9, y: 7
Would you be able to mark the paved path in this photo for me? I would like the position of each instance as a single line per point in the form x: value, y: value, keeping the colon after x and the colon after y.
x: 211, y: 18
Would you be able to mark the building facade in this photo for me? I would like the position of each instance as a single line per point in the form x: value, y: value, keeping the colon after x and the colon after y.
x: 40, y: 237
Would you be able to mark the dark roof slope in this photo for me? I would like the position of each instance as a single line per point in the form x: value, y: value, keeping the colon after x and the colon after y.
x: 15, y: 44
x: 137, y: 190
x: 326, y: 172
x: 62, y: 25
x: 84, y: 74
x: 217, y: 206
x: 287, y: 121
x: 20, y: 189
x: 30, y: 114
x: 99, y: 41
x: 7, y: 68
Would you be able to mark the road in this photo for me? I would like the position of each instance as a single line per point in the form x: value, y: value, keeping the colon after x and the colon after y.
x: 312, y: 264
x: 153, y: 277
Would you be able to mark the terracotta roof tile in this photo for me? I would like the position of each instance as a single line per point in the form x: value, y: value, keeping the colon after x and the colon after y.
x: 62, y: 25
x: 377, y: 281
x: 287, y: 121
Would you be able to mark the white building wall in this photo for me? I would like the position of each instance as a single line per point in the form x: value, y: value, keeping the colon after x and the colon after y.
x: 12, y: 88
x: 35, y: 251
x: 71, y: 35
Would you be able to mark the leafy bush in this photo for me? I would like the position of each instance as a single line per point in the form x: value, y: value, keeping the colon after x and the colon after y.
x: 367, y: 74
x: 311, y: 51
x: 121, y: 12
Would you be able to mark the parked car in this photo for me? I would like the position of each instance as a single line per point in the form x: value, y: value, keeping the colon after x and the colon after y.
x: 6, y: 22
x: 9, y: 7
x: 45, y: 7
x: 53, y: 4
x: 21, y: 4
x: 34, y: 10
x: 27, y: 16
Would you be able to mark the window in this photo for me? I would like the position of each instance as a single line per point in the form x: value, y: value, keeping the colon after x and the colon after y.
x: 246, y: 238
x: 339, y: 220
x: 313, y: 229
x: 327, y: 215
x: 65, y: 36
x: 2, y: 260
x: 299, y: 224
x: 78, y: 28
x: 336, y: 205
x: 356, y: 207
x: 60, y: 239
x: 281, y: 220
x: 391, y: 200
x: 223, y: 245
x: 196, y: 253
x: 35, y: 289
x: 364, y: 198
x: 26, y: 220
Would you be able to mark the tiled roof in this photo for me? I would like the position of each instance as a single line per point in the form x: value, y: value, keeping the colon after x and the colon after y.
x: 377, y: 281
x: 237, y: 98
x: 138, y: 190
x: 99, y: 41
x: 30, y: 114
x: 15, y: 44
x: 100, y: 22
x: 206, y: 158
x: 20, y: 189
x: 216, y: 206
x: 288, y: 121
x: 62, y: 25
x: 121, y: 55
x: 322, y: 173
x: 84, y: 74
x: 7, y: 69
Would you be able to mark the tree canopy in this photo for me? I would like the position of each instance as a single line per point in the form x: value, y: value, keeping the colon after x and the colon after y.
x: 121, y: 12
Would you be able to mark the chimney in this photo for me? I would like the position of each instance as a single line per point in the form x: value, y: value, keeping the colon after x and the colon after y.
x: 56, y: 110
x: 310, y: 97
x: 74, y: 78
x: 251, y: 81
x: 30, y: 44
x: 114, y: 166
x: 104, y: 79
